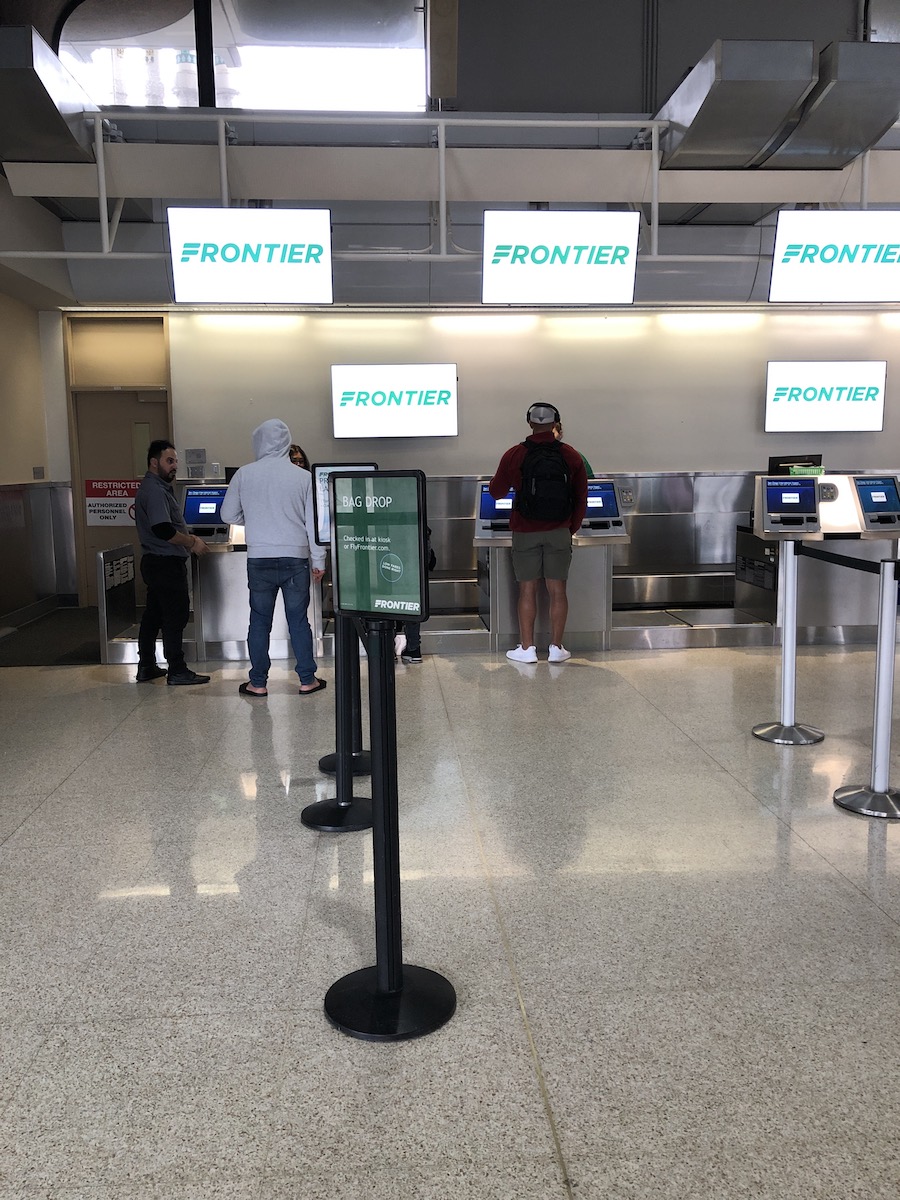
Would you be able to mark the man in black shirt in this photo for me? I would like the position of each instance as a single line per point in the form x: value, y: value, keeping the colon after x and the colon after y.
x: 167, y: 545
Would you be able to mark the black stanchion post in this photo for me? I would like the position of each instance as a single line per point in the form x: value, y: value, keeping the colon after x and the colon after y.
x: 360, y: 759
x: 346, y: 812
x: 390, y: 1001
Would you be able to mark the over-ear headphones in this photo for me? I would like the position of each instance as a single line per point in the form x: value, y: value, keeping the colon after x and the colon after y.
x: 543, y: 405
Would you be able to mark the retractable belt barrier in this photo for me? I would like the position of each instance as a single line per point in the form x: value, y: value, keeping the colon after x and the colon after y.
x: 861, y: 506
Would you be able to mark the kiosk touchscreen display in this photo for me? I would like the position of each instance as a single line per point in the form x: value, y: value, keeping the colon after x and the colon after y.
x: 878, y: 495
x: 490, y: 509
x: 601, y: 499
x: 202, y: 505
x: 791, y: 497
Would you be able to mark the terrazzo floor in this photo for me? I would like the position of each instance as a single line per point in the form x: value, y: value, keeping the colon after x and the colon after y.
x: 676, y: 961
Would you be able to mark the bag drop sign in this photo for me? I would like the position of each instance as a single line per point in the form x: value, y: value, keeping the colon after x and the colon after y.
x: 377, y: 544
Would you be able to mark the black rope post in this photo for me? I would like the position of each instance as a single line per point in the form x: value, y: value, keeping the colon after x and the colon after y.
x: 360, y: 760
x: 388, y: 1002
x: 345, y: 813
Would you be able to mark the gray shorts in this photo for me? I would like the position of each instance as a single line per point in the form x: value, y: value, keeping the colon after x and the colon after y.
x: 543, y: 555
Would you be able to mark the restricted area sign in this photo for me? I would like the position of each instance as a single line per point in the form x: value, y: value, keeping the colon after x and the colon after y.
x: 110, y: 501
x: 378, y: 544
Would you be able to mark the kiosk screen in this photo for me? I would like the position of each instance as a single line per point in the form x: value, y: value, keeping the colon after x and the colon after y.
x: 790, y: 497
x: 601, y: 499
x: 202, y: 505
x: 878, y: 495
x: 490, y: 509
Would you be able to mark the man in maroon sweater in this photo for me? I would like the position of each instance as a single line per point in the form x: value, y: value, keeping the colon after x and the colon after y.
x: 541, y: 549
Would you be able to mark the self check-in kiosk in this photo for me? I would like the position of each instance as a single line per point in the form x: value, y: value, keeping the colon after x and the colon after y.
x: 604, y: 508
x: 786, y: 509
x: 786, y: 506
x: 201, y: 506
x: 590, y: 574
x: 878, y: 501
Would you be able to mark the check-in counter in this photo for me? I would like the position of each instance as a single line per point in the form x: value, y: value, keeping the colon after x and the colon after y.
x: 222, y: 608
x: 589, y: 588
x: 589, y: 593
x: 835, y: 603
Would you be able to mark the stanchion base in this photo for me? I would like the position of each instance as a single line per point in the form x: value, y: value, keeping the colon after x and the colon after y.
x: 787, y: 735
x: 360, y: 763
x: 330, y: 817
x: 425, y: 1002
x: 867, y: 803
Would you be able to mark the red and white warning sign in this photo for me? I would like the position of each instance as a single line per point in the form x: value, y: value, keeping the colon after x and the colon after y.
x: 110, y: 501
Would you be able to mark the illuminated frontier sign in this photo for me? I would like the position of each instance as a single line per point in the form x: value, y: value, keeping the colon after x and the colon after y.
x: 404, y: 400
x: 837, y: 397
x: 559, y: 257
x: 251, y: 256
x: 836, y: 257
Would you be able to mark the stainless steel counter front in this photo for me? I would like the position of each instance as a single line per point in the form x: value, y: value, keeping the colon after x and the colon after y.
x: 222, y: 609
x: 589, y: 593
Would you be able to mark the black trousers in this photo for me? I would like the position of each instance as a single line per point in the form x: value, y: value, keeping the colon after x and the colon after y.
x: 168, y: 609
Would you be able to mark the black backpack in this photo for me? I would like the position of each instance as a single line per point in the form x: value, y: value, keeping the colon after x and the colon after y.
x: 546, y: 490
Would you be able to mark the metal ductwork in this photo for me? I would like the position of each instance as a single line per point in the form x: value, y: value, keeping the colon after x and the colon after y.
x: 854, y: 103
x: 768, y: 104
x: 43, y: 106
x: 731, y: 108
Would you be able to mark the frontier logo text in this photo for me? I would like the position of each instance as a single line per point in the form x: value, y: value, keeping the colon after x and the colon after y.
x: 408, y: 606
x: 837, y: 394
x: 407, y: 398
x: 576, y: 256
x: 252, y: 252
x: 887, y: 253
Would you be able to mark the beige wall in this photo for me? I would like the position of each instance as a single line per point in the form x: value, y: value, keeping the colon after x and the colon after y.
x: 662, y: 390
x: 23, y: 445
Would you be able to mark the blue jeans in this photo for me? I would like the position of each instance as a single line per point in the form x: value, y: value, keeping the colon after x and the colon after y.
x: 264, y: 578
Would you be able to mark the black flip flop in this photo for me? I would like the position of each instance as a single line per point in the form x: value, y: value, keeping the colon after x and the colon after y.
x: 244, y: 689
x: 323, y: 684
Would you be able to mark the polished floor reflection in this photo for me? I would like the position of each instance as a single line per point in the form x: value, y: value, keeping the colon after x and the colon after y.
x: 676, y: 959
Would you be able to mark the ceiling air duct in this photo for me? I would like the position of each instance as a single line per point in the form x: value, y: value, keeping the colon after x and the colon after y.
x: 731, y: 108
x: 853, y: 104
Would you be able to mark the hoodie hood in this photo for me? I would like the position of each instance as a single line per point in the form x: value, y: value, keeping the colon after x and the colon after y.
x: 272, y: 439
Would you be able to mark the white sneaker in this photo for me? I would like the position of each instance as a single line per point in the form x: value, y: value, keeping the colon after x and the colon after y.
x: 399, y: 644
x: 558, y: 654
x: 520, y: 654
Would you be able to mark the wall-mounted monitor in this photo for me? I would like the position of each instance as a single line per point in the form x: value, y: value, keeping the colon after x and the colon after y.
x: 836, y: 257
x: 400, y: 400
x: 251, y: 255
x: 825, y: 397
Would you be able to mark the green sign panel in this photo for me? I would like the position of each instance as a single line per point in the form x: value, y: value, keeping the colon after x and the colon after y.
x: 378, y: 544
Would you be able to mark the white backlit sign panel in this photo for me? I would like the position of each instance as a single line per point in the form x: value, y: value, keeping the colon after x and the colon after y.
x: 409, y: 400
x: 825, y: 397
x: 836, y: 257
x: 559, y: 257
x: 251, y: 255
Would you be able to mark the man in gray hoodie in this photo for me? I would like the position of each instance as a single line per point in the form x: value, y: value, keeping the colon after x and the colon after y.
x: 272, y: 499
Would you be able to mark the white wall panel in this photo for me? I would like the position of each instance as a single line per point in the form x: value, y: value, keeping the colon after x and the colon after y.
x: 643, y: 391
